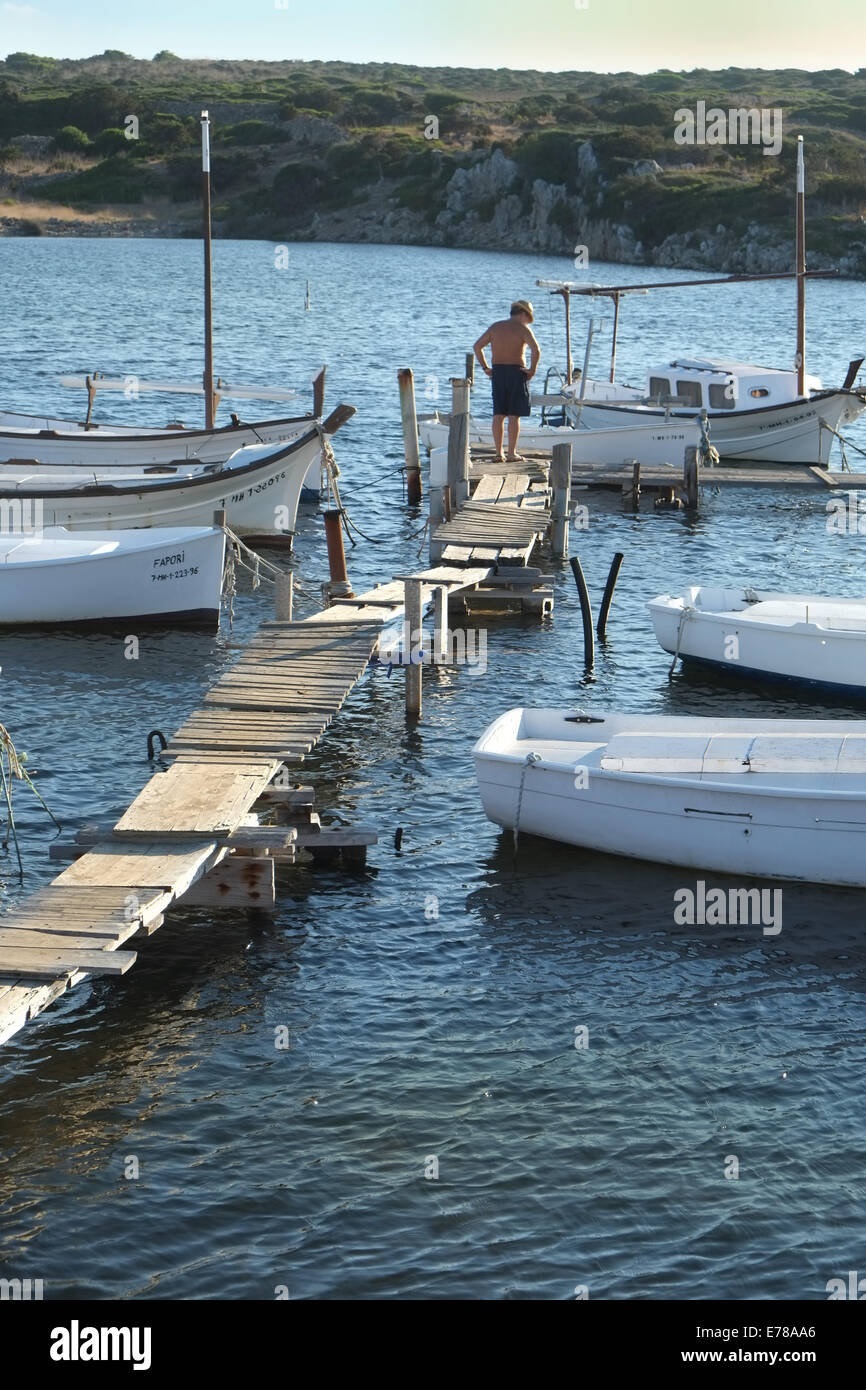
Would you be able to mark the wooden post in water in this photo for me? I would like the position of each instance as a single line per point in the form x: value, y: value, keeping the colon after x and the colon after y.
x: 410, y: 435
x: 319, y: 393
x: 631, y: 491
x: 560, y: 477
x: 440, y: 625
x: 470, y: 368
x: 338, y: 585
x: 691, y: 476
x: 284, y: 589
x: 413, y: 635
x: 208, y: 285
x: 458, y: 441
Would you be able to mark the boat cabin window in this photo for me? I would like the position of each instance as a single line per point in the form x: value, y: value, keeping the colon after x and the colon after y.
x: 659, y: 386
x: 721, y: 398
x: 758, y: 391
x: 690, y: 393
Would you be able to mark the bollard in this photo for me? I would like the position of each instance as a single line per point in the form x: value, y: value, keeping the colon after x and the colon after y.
x: 284, y: 591
x: 691, y: 476
x: 412, y: 633
x: 458, y: 442
x: 613, y: 575
x: 585, y: 613
x: 410, y: 436
x: 560, y: 477
x: 338, y: 585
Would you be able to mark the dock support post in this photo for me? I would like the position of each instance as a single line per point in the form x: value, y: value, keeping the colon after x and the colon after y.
x: 338, y: 585
x: 631, y: 491
x: 284, y: 592
x: 470, y: 368
x: 410, y: 435
x: 458, y: 441
x: 560, y: 477
x: 691, y: 476
x: 585, y: 613
x: 413, y: 634
x: 440, y: 625
x: 438, y: 483
x: 613, y: 575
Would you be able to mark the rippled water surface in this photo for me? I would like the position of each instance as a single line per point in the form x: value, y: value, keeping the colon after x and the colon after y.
x: 414, y: 1036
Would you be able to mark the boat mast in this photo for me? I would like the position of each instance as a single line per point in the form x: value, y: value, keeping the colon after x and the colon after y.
x: 208, y: 288
x: 800, y: 359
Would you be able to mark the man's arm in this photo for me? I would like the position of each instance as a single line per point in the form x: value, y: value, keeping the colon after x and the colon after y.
x: 484, y: 341
x: 534, y: 353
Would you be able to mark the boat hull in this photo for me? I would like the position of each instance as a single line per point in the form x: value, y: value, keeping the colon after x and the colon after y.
x: 653, y: 443
x: 169, y: 577
x: 788, y: 433
x: 767, y: 826
x: 260, y: 496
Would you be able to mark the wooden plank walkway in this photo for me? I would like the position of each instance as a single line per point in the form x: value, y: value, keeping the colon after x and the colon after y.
x: 184, y: 830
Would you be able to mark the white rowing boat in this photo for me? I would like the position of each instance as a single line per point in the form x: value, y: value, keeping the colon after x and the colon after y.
x: 259, y: 488
x: 796, y: 637
x: 167, y: 576
x: 774, y: 798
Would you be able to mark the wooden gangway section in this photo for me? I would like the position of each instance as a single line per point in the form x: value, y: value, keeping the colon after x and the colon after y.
x: 192, y: 835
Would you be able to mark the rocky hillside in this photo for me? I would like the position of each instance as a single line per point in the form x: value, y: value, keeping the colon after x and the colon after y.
x: 501, y: 160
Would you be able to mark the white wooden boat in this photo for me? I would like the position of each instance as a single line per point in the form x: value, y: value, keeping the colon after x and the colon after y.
x: 794, y: 637
x: 754, y: 413
x: 653, y: 443
x: 167, y: 576
x: 774, y: 798
x: 259, y: 487
x: 57, y: 443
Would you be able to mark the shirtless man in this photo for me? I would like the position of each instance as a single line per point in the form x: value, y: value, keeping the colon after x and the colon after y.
x: 508, y: 339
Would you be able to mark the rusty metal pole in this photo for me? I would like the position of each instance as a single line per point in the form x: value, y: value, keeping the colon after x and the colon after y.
x: 338, y: 585
x: 410, y: 436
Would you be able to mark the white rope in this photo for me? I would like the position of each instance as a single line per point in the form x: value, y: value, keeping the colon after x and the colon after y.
x: 687, y: 609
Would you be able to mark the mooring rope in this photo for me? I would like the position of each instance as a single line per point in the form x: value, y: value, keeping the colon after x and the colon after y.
x: 709, y: 454
x: 687, y: 609
x: 528, y: 761
x: 846, y: 467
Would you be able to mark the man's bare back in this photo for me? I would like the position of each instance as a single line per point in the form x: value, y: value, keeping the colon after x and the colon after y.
x: 508, y: 340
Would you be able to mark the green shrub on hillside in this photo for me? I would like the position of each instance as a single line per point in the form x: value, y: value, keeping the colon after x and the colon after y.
x: 71, y: 138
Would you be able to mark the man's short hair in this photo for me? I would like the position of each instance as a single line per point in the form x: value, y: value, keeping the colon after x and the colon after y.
x: 523, y: 306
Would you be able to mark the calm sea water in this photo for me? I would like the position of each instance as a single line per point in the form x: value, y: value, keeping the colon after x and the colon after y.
x: 414, y: 1036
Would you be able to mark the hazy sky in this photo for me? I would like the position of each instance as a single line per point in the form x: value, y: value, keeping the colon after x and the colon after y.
x: 605, y: 36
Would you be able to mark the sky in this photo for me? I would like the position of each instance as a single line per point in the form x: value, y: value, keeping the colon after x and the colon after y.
x: 553, y: 35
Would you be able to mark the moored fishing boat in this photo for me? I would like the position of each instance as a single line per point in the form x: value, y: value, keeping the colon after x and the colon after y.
x: 168, y: 576
x: 774, y: 798
x: 258, y: 487
x: 653, y: 442
x: 804, y: 638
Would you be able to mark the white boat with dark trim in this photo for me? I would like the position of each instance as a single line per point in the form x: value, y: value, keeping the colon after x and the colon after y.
x: 168, y: 576
x: 769, y: 798
x: 258, y: 487
x: 805, y: 638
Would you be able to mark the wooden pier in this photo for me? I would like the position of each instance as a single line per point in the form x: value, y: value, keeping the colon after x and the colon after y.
x: 194, y: 835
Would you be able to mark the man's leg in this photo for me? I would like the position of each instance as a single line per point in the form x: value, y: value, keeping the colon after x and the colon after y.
x: 513, y: 435
x: 498, y: 426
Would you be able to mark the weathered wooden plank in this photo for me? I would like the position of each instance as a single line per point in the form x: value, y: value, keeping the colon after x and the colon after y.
x: 32, y: 963
x: 196, y: 801
x: 148, y: 865
x: 238, y: 881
